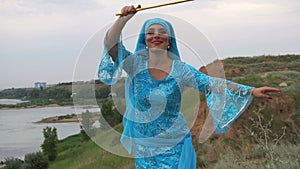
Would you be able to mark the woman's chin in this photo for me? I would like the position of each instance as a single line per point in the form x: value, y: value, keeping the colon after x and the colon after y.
x: 157, y: 50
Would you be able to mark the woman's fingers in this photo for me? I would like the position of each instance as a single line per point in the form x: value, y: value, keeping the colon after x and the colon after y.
x: 266, y: 96
x: 126, y: 10
x: 262, y: 92
x: 271, y: 89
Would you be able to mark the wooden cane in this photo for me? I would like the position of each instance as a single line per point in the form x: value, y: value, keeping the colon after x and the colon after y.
x: 156, y: 6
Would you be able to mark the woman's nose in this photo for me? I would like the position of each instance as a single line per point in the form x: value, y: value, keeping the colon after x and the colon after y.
x: 156, y: 35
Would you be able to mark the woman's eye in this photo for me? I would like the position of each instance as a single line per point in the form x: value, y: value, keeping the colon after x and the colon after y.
x: 162, y: 32
x: 150, y: 32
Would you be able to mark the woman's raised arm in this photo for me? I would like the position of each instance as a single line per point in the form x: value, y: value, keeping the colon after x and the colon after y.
x: 113, y: 35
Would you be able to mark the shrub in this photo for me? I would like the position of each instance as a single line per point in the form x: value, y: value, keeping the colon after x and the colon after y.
x: 13, y: 163
x: 35, y: 161
x: 232, y: 160
x: 110, y: 113
x: 283, y: 156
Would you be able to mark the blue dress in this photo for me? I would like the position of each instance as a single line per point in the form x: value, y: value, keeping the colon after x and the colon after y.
x: 154, y: 127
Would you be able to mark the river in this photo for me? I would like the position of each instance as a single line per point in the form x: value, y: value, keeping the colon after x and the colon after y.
x: 19, y: 134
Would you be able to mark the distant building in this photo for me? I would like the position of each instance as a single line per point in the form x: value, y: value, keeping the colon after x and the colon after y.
x: 40, y: 85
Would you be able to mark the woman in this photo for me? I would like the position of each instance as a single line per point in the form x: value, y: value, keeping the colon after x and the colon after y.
x: 156, y: 76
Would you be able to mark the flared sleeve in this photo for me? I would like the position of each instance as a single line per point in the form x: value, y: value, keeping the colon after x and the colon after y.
x: 110, y: 71
x: 225, y: 99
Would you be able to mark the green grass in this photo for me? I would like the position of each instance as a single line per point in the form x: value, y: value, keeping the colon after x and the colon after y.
x: 74, y: 153
x: 273, y: 79
x: 283, y: 156
x: 262, y: 64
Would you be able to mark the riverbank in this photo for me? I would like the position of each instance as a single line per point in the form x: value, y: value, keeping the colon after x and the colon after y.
x: 30, y: 106
x: 4, y: 107
x: 40, y: 104
x: 60, y: 119
x: 33, y: 103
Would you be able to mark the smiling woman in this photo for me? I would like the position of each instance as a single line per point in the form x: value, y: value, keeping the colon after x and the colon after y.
x: 155, y: 129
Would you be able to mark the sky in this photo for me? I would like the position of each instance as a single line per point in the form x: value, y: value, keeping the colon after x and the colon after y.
x: 42, y: 40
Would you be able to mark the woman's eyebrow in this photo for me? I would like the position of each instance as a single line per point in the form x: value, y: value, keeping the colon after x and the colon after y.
x: 160, y: 30
x: 157, y: 29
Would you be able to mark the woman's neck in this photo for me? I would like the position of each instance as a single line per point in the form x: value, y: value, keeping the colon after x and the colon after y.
x: 159, y: 58
x: 159, y: 64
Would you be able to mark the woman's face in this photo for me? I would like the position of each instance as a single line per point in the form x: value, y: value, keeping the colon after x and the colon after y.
x: 157, y: 37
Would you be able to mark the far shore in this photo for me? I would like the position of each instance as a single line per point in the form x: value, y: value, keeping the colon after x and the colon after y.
x: 34, y: 106
x: 57, y: 119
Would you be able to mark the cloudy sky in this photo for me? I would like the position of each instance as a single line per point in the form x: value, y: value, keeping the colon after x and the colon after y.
x: 40, y: 40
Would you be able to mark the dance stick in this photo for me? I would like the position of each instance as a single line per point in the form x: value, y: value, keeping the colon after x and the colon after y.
x: 156, y: 6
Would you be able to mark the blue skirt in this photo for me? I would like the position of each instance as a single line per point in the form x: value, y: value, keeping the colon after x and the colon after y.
x: 180, y: 156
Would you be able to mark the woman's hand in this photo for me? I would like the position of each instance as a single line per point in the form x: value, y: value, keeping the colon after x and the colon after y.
x: 127, y: 12
x: 262, y: 92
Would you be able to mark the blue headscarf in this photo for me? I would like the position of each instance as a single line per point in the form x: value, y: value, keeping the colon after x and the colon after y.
x: 141, y: 43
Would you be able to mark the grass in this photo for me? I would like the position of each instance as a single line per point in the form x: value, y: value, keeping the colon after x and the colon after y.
x: 284, y: 156
x: 273, y: 79
x: 261, y: 64
x: 74, y: 153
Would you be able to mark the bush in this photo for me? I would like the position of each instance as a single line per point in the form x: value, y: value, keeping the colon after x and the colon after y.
x: 110, y: 113
x: 13, y: 163
x: 285, y: 156
x: 49, y: 144
x: 269, y: 152
x: 35, y: 161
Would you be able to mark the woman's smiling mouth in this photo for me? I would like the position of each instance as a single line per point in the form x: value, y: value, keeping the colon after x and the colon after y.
x: 157, y: 42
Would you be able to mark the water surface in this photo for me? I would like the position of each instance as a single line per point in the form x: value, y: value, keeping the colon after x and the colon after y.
x: 20, y: 135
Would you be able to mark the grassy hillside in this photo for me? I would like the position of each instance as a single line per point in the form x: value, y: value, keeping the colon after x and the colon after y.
x: 75, y: 152
x: 258, y: 139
